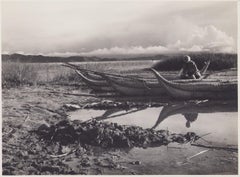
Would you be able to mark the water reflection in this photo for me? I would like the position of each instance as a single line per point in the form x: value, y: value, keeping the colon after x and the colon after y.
x: 189, y: 110
x: 111, y: 113
x: 216, y: 117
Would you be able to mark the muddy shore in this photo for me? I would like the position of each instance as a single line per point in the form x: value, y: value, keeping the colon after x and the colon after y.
x: 24, y: 109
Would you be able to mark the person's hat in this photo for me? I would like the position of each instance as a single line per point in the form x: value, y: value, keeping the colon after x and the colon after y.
x: 186, y: 58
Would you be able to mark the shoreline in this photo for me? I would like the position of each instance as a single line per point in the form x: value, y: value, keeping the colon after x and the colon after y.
x: 26, y: 108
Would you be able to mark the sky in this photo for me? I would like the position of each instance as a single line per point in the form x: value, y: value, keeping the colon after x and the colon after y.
x: 107, y: 27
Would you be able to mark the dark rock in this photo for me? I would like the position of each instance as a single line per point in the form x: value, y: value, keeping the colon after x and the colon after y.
x: 43, y: 129
x: 63, y: 123
x: 136, y: 162
x: 51, y: 169
x: 85, y: 163
x: 108, y: 135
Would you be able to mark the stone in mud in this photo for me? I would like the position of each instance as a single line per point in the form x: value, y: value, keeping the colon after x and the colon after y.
x: 51, y: 169
x: 68, y: 159
x: 136, y: 162
x: 85, y: 163
x: 119, y: 127
x: 7, y: 172
x: 32, y: 171
x: 8, y: 169
x: 99, y: 171
x: 63, y: 123
x: 179, y: 139
x: 107, y: 102
x: 45, y: 132
x: 191, y: 136
x: 43, y: 128
x: 65, y: 135
x: 121, y: 141
x: 71, y: 107
x: 107, y: 142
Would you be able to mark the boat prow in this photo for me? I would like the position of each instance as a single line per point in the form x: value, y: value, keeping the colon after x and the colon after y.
x: 96, y: 85
x: 201, y: 89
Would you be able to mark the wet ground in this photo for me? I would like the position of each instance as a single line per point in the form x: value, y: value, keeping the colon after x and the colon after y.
x: 180, y: 117
x: 26, y: 109
x: 216, y: 121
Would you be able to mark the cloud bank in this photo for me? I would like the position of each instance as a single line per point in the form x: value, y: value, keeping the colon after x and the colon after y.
x: 190, y: 38
x: 118, y: 28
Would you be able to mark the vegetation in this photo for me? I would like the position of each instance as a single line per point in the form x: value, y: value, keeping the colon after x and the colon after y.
x: 22, y: 73
x: 16, y: 74
x: 66, y: 79
x: 218, y: 61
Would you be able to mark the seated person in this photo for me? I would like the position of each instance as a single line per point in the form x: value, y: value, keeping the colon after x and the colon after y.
x: 189, y: 70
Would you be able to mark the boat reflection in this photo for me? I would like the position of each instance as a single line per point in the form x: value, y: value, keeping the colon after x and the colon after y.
x: 190, y: 117
x: 190, y: 110
x: 110, y: 113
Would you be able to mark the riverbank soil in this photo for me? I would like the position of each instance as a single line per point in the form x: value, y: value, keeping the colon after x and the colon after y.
x: 26, y: 109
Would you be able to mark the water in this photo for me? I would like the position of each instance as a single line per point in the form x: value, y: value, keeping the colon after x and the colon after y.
x: 219, y: 119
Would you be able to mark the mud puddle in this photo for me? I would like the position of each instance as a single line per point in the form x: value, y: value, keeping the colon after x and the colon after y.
x: 108, y: 137
x: 176, y: 117
x: 215, y: 121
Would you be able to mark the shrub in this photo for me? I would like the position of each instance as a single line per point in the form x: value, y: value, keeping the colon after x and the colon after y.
x: 17, y: 74
x: 64, y: 78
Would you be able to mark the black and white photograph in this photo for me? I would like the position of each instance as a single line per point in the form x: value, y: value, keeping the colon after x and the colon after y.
x: 119, y: 87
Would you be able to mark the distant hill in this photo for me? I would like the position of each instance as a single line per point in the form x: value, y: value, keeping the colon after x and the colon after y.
x: 166, y: 62
x: 40, y: 58
x: 54, y: 59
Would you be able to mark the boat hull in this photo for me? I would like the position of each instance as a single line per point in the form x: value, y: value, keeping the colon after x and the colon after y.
x: 201, y: 89
x: 133, y: 87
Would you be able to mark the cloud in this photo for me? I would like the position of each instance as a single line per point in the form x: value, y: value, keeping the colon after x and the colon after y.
x: 177, y: 34
x: 128, y: 51
x: 189, y: 38
x: 197, y: 38
x: 118, y: 28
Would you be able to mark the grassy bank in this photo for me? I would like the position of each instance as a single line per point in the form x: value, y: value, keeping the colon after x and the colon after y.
x: 18, y: 73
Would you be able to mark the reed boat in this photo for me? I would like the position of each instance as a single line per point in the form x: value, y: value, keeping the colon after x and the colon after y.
x: 200, y: 89
x: 138, y: 87
x: 131, y: 86
x: 97, y: 75
x: 134, y: 87
x: 126, y: 85
x: 96, y: 85
x: 87, y: 73
x: 93, y: 81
